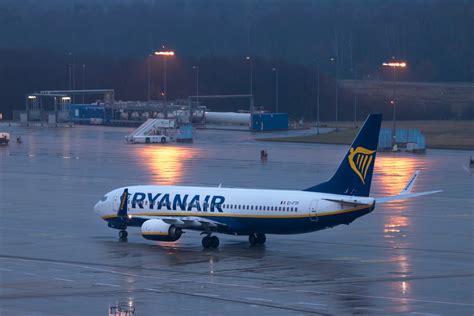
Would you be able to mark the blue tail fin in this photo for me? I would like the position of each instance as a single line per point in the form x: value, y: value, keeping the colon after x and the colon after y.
x: 354, y: 175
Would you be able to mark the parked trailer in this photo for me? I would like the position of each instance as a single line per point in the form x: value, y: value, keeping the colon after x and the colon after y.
x: 4, y: 138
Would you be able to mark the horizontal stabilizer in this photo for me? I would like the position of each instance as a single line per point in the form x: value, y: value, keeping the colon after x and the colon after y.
x: 406, y: 192
x: 385, y: 199
x: 351, y: 202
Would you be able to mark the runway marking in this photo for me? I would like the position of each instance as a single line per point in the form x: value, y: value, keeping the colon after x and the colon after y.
x: 61, y: 279
x: 8, y: 270
x: 106, y: 284
x: 258, y: 299
x: 31, y: 274
x: 420, y: 313
x: 245, y: 286
x: 315, y: 304
x: 153, y: 290
x: 369, y: 309
x: 204, y: 294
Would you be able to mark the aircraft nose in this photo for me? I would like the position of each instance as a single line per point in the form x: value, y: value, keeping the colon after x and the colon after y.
x: 97, y: 208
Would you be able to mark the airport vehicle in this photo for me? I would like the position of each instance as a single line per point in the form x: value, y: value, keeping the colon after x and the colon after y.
x: 153, y: 131
x: 164, y: 212
x: 4, y: 138
x: 147, y: 139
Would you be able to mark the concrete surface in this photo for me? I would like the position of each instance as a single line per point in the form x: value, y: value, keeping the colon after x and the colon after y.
x: 58, y: 258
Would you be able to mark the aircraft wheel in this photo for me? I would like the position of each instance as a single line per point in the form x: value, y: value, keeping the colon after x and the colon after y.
x: 214, y: 242
x: 147, y: 140
x: 123, y: 234
x: 163, y: 140
x: 261, y: 238
x: 206, y: 242
x: 252, y: 239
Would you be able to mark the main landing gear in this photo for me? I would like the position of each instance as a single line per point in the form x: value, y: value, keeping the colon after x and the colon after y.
x: 257, y: 239
x: 123, y: 235
x: 210, y: 242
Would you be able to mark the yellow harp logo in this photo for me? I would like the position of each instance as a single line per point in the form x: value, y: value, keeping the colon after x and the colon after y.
x: 360, y: 160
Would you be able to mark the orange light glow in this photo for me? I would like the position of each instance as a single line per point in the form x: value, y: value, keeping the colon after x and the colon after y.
x: 402, y: 64
x: 165, y: 53
x: 396, y: 171
x: 165, y: 163
x: 395, y: 224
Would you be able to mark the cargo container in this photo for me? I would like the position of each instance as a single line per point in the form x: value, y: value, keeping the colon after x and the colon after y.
x: 89, y: 114
x: 263, y: 122
x: 185, y: 133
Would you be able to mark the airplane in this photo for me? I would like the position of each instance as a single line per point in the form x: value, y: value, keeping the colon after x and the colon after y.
x: 165, y: 212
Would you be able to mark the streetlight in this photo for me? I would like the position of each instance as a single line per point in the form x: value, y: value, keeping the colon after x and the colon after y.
x: 394, y: 65
x: 165, y: 54
x: 83, y: 80
x: 336, y: 62
x: 276, y: 88
x: 149, y: 77
x: 72, y: 80
x: 251, y: 73
x: 196, y: 68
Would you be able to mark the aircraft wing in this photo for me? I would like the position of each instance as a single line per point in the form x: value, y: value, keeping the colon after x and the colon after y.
x: 193, y: 222
x: 406, y: 192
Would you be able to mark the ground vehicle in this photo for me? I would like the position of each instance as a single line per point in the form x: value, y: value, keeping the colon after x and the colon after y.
x: 147, y: 139
x: 4, y: 138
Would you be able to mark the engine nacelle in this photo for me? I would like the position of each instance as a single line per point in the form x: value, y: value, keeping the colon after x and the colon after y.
x: 156, y: 229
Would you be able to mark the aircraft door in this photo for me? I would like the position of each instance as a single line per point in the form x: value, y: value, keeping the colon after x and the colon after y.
x: 313, y: 211
x: 116, y: 198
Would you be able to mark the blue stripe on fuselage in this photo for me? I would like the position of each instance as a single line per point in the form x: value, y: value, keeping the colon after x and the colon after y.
x: 280, y: 225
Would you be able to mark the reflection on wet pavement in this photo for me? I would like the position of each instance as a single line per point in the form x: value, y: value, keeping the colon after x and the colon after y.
x: 413, y: 256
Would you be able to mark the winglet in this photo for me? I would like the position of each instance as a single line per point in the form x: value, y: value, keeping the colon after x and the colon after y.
x: 410, y: 183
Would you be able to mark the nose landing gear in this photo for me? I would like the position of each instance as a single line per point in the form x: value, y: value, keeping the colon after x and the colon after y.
x: 257, y: 239
x: 210, y: 242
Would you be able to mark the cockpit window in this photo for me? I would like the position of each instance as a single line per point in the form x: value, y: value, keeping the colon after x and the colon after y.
x: 104, y: 198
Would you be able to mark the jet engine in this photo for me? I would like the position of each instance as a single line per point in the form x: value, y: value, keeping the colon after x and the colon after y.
x: 157, y: 229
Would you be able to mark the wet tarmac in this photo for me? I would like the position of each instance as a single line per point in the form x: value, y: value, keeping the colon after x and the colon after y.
x: 58, y: 258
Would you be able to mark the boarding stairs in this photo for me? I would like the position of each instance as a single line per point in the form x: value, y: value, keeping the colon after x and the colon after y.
x: 146, y: 126
x: 150, y: 126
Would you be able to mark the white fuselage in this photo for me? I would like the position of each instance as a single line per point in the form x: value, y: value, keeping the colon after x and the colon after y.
x: 237, y: 208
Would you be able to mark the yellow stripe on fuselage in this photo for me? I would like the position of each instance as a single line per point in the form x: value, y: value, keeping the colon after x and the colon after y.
x: 201, y: 214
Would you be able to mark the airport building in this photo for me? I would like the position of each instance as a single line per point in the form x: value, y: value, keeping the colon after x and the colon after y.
x: 62, y: 107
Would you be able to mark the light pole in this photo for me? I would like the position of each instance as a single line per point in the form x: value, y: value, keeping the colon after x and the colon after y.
x: 196, y: 68
x: 251, y: 73
x: 394, y: 66
x: 83, y: 80
x: 149, y: 77
x: 165, y: 54
x: 72, y: 75
x: 276, y: 88
x: 317, y: 103
x: 336, y: 62
x: 318, y: 80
